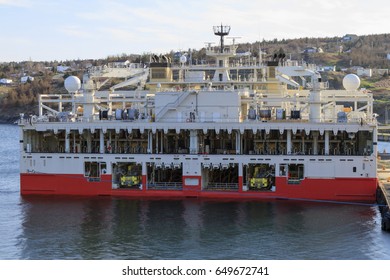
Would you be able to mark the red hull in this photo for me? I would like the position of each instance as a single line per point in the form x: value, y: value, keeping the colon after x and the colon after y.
x: 340, y: 189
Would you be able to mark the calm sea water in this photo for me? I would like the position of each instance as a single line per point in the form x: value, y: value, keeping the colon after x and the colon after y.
x: 111, y: 228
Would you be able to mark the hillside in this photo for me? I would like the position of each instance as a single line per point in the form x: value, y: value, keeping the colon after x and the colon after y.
x: 366, y: 51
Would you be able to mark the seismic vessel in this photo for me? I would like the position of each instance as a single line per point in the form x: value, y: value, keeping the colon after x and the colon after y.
x: 231, y: 127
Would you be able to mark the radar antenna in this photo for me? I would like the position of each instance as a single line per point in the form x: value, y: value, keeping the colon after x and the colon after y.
x: 233, y: 39
x: 221, y: 31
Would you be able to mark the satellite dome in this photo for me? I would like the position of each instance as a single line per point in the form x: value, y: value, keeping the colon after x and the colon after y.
x: 183, y: 59
x: 72, y: 84
x: 351, y: 82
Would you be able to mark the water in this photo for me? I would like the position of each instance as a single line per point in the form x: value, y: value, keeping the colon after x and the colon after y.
x: 113, y: 228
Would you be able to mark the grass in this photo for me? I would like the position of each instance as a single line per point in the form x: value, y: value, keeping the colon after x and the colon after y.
x: 367, y: 84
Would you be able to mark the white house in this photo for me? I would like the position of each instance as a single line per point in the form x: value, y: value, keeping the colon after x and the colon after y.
x: 62, y: 68
x: 25, y: 79
x: 364, y: 72
x: 5, y: 81
x: 330, y: 68
x: 313, y: 50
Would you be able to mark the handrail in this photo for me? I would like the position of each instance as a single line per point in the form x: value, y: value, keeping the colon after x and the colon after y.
x: 182, y: 95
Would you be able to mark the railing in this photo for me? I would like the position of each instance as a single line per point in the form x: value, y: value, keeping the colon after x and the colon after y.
x: 182, y: 96
x: 258, y: 152
x: 165, y: 186
x: 222, y: 186
x: 318, y: 85
x: 198, y: 119
x: 110, y: 66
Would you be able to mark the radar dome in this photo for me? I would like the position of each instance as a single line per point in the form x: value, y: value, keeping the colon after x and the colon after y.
x: 72, y: 84
x: 351, y: 82
x: 183, y: 59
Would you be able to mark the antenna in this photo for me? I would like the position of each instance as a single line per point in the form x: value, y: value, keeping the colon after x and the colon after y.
x: 208, y: 44
x: 233, y: 39
x: 221, y: 31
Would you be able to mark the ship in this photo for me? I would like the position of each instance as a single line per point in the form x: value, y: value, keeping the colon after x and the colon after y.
x: 233, y: 127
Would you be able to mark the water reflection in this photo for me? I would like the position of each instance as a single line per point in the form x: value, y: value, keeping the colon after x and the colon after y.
x: 95, y: 227
x: 109, y: 228
x: 51, y: 229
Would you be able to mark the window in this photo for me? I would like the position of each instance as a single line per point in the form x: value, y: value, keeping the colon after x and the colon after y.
x: 296, y: 171
x: 159, y: 74
x: 93, y: 170
x: 282, y: 170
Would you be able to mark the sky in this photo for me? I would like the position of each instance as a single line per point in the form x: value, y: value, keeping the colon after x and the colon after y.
x: 43, y: 30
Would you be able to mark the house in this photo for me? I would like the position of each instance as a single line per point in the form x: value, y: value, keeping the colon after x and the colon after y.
x: 62, y: 68
x: 121, y: 64
x: 380, y: 72
x: 364, y: 72
x: 25, y: 79
x: 5, y: 81
x: 326, y: 68
x: 329, y: 68
x: 312, y: 50
x: 350, y: 38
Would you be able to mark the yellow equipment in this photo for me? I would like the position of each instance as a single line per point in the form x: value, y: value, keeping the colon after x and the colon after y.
x: 129, y: 181
x: 259, y: 180
x: 259, y: 183
x: 131, y: 178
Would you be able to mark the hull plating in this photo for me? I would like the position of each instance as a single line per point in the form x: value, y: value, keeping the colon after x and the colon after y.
x: 339, y: 189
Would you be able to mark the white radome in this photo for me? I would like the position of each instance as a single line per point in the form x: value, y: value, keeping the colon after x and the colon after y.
x: 72, y: 84
x: 351, y: 82
x: 183, y: 59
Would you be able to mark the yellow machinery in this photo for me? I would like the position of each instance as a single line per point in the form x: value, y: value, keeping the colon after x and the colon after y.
x: 260, y: 179
x: 259, y: 183
x: 130, y: 179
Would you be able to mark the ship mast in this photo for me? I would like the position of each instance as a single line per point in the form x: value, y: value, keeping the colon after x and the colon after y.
x: 222, y: 56
x: 221, y: 31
